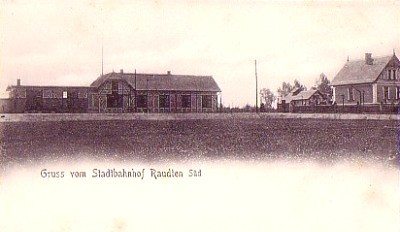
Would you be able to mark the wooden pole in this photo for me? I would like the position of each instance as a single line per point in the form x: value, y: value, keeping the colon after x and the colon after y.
x: 255, y: 65
x: 135, y: 93
x: 102, y: 58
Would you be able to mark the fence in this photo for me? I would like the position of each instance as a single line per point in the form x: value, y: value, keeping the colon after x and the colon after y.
x: 384, y: 109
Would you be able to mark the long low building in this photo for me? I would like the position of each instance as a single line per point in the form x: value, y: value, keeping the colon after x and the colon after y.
x: 119, y: 92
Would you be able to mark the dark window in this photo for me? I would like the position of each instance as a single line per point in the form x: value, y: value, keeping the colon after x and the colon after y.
x: 206, y: 101
x: 93, y: 101
x: 185, y: 101
x: 114, y: 100
x: 142, y: 101
x: 385, y: 93
x: 394, y: 75
x: 164, y: 101
x: 389, y: 74
x: 397, y: 93
x: 350, y: 95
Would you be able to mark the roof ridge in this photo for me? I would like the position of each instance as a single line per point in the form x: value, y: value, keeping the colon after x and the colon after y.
x: 374, y: 57
x: 53, y: 86
x: 169, y: 81
x: 358, y: 72
x: 163, y: 74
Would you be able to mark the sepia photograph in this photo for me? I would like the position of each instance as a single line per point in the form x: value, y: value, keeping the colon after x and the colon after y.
x: 188, y: 115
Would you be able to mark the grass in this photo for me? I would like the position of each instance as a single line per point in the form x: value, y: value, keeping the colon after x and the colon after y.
x: 158, y: 140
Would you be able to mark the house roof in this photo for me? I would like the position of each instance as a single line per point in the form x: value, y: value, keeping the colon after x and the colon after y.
x: 303, y: 95
x: 358, y: 72
x: 162, y: 81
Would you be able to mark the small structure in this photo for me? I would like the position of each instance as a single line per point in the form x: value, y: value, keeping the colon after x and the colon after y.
x: 119, y: 92
x: 371, y: 84
x: 297, y: 99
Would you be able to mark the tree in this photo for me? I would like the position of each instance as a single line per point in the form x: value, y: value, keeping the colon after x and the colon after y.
x: 323, y: 84
x: 285, y: 89
x: 267, y: 98
x: 299, y: 86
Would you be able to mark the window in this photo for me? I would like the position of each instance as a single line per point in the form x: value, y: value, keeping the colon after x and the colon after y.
x: 114, y: 86
x: 206, y: 101
x: 163, y: 101
x: 93, y: 101
x: 120, y: 88
x: 185, y: 101
x: 392, y: 74
x: 65, y: 94
x: 397, y: 93
x: 114, y: 100
x: 385, y: 93
x: 141, y: 101
x: 350, y: 94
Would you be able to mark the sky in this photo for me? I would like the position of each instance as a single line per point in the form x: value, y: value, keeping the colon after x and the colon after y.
x: 60, y: 42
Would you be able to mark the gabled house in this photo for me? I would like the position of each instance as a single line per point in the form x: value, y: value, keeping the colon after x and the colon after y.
x: 298, y: 98
x: 373, y: 81
x: 130, y: 92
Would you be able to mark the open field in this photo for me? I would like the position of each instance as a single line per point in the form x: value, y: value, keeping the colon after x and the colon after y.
x: 296, y: 182
x: 45, y: 117
x: 199, y: 139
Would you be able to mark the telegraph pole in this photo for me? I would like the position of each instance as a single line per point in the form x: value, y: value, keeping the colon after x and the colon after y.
x: 255, y: 65
x: 102, y: 58
x: 135, y: 94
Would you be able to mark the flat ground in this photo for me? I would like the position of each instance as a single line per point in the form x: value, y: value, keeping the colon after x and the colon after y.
x: 206, y: 139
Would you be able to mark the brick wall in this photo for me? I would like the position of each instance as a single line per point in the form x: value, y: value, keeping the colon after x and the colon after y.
x: 343, y: 91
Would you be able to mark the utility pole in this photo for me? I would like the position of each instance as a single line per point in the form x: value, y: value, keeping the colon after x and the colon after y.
x: 255, y: 65
x: 102, y: 43
x: 135, y: 94
x: 102, y: 57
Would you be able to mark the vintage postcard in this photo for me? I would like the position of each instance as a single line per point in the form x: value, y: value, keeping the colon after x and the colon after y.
x: 199, y: 116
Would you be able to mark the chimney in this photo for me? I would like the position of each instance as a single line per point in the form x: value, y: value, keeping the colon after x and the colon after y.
x: 122, y: 71
x: 169, y: 72
x: 18, y: 82
x: 368, y: 59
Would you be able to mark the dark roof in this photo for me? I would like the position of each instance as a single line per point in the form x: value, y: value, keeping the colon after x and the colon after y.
x: 358, y: 72
x: 162, y: 81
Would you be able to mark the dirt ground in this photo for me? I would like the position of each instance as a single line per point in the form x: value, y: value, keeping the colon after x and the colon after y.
x: 200, y: 139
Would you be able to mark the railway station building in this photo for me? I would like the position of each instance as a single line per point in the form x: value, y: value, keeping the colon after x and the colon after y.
x: 119, y: 92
